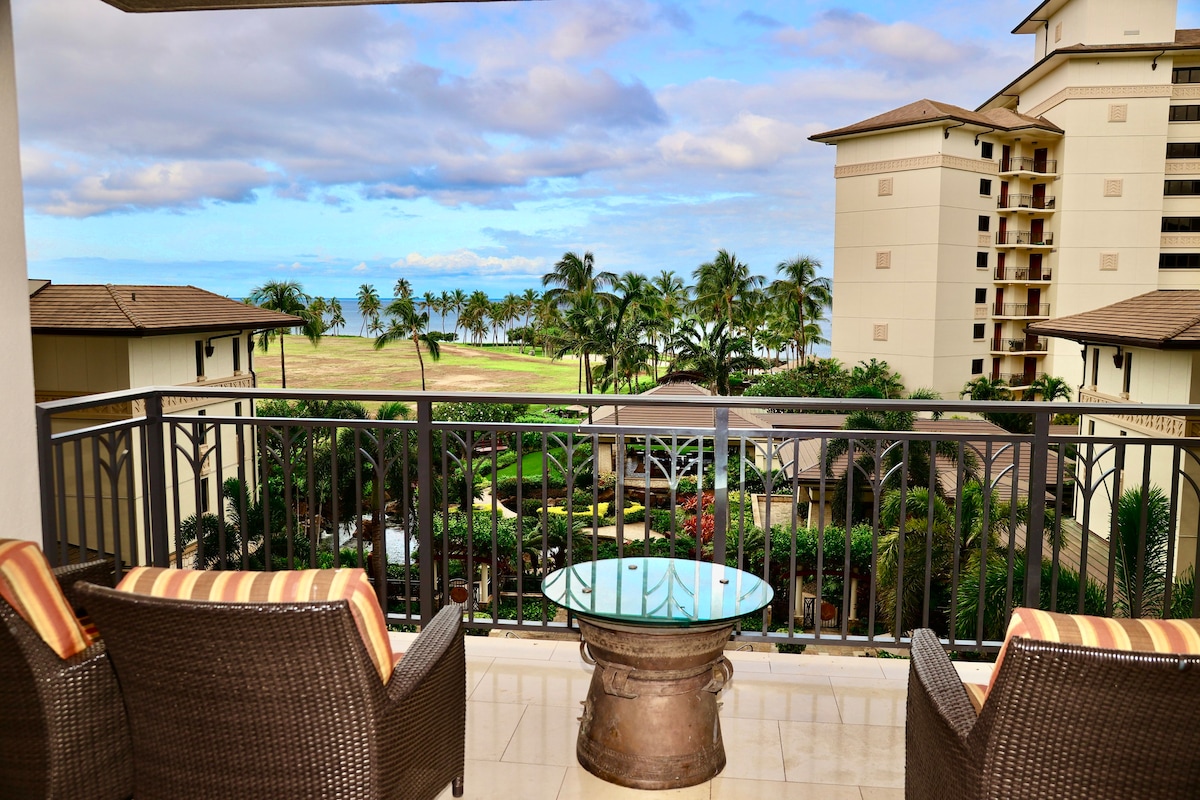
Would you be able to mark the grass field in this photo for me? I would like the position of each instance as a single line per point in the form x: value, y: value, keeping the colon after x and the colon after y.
x: 350, y: 363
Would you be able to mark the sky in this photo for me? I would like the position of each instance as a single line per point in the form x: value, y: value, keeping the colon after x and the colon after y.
x: 465, y: 145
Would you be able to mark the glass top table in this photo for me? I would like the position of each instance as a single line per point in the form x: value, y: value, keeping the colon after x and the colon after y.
x: 673, y: 592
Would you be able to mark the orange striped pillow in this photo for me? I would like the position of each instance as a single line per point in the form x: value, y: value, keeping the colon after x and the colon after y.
x: 27, y: 584
x: 288, y: 586
x: 1176, y: 636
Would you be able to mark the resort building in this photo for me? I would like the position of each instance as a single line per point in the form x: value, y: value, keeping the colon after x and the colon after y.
x: 1074, y: 187
x: 91, y: 339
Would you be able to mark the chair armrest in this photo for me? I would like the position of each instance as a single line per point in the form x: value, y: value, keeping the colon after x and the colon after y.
x: 434, y: 647
x: 100, y: 571
x: 940, y: 718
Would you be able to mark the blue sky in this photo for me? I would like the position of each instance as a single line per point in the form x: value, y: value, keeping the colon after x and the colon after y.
x: 464, y: 145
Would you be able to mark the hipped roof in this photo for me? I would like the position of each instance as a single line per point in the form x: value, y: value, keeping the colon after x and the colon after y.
x: 667, y: 416
x: 1166, y: 319
x: 924, y: 112
x: 144, y: 311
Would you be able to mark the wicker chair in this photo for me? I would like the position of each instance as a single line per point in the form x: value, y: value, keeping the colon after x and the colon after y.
x: 63, y: 732
x: 1060, y: 721
x: 282, y: 700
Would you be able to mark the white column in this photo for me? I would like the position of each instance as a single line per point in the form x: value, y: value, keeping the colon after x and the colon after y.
x: 18, y: 442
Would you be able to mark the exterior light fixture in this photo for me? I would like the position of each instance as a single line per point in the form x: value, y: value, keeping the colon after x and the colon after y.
x: 1119, y: 358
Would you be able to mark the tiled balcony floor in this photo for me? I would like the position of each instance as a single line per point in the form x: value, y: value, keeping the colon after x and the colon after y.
x: 795, y: 726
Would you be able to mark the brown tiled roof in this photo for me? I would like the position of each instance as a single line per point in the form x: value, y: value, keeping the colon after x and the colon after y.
x: 1167, y: 319
x: 143, y: 311
x: 674, y: 416
x: 926, y: 111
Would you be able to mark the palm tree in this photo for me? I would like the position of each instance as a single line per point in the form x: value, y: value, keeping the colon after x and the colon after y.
x: 802, y: 294
x: 445, y: 303
x: 985, y: 388
x: 408, y: 323
x: 336, y: 320
x: 528, y: 302
x: 286, y: 297
x: 712, y: 351
x: 1142, y: 552
x: 457, y: 303
x: 1049, y: 388
x: 574, y: 277
x: 368, y: 305
x: 403, y: 288
x: 721, y: 285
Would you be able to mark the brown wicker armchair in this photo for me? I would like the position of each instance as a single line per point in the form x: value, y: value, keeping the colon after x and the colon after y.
x: 63, y: 732
x: 1060, y: 721
x: 282, y: 700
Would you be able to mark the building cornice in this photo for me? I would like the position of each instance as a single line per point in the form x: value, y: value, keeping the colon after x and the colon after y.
x: 1155, y: 425
x: 978, y: 165
x: 1099, y: 93
x: 1189, y: 166
x: 1180, y: 240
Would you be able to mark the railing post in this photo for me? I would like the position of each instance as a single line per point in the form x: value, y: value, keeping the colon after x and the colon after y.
x: 425, y: 506
x: 720, y: 483
x: 156, y: 476
x: 46, y: 479
x: 1039, y: 452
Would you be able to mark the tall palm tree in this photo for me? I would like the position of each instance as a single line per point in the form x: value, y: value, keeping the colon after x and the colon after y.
x: 369, y: 305
x: 336, y: 320
x: 286, y: 297
x: 803, y: 295
x: 445, y: 304
x: 528, y: 303
x: 458, y: 303
x: 721, y: 285
x: 1048, y: 388
x: 713, y: 351
x: 985, y: 388
x: 574, y: 277
x: 406, y: 323
x: 403, y: 288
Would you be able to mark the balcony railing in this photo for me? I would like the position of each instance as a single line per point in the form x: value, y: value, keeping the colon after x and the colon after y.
x: 1040, y: 166
x: 1022, y: 309
x: 437, y: 501
x: 1023, y: 274
x: 1020, y: 378
x: 1026, y: 201
x: 1025, y: 237
x: 1019, y: 345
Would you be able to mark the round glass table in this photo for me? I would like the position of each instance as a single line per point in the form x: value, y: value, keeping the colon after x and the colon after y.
x: 655, y: 629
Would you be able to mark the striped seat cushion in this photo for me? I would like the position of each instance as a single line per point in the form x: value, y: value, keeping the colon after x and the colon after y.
x: 309, y: 585
x: 28, y: 585
x: 1174, y: 636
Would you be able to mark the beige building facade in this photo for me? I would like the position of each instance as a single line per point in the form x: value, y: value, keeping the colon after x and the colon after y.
x: 1074, y: 187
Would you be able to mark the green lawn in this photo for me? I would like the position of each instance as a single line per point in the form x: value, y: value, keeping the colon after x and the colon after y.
x: 532, y: 464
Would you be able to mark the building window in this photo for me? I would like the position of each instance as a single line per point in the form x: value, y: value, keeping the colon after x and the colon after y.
x: 1091, y: 428
x: 1128, y: 373
x: 1181, y: 225
x: 1181, y: 187
x: 985, y: 222
x: 203, y: 427
x: 237, y: 355
x: 977, y: 366
x: 1095, y: 365
x: 237, y: 409
x: 985, y: 150
x: 981, y: 260
x: 1185, y: 114
x: 199, y: 359
x: 1183, y: 150
x: 979, y: 331
x: 1179, y: 260
x: 1185, y: 75
x: 204, y: 503
x: 980, y: 296
x: 985, y: 187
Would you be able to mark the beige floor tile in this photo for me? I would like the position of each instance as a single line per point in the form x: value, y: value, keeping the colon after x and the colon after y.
x: 879, y: 793
x: 847, y: 666
x: 736, y: 789
x: 533, y: 683
x: 490, y: 728
x: 801, y: 698
x: 492, y: 780
x: 869, y: 701
x: 847, y: 755
x: 580, y: 784
x: 974, y: 671
x: 509, y: 647
x: 545, y: 735
x: 567, y: 651
x: 749, y: 661
x: 476, y: 669
x: 894, y: 668
x: 752, y: 749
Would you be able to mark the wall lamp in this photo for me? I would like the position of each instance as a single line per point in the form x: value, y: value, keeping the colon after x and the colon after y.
x: 208, y: 344
x: 1119, y: 358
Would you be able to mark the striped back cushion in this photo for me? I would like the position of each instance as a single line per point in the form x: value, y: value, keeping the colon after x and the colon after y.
x: 288, y: 586
x: 28, y: 585
x: 1175, y: 636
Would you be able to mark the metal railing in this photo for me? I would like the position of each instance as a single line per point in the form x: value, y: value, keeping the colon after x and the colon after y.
x: 1025, y: 237
x: 1030, y: 201
x: 1023, y: 274
x: 1019, y: 345
x: 1020, y: 378
x: 1041, y: 166
x: 1022, y: 309
x: 436, y: 501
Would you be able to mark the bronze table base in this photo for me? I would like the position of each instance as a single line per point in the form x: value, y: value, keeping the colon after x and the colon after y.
x: 650, y: 719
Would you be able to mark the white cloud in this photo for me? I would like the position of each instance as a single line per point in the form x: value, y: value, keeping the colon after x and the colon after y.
x: 467, y: 261
x: 750, y: 141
